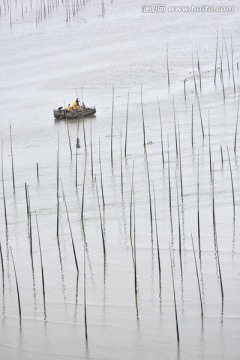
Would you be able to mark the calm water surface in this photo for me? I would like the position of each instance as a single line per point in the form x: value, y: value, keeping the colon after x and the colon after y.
x: 47, y: 66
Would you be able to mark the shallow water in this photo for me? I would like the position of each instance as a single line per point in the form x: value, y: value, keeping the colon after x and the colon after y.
x: 46, y: 66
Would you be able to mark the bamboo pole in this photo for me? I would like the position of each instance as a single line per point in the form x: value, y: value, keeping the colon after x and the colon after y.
x: 194, y: 77
x: 83, y: 186
x: 161, y: 132
x: 101, y: 224
x: 69, y: 138
x: 174, y: 296
x: 169, y: 184
x: 84, y: 134
x: 175, y: 128
x: 198, y: 211
x: 168, y: 76
x: 149, y: 195
x: 200, y: 114
x: 179, y: 229
x: 221, y: 72
x: 198, y: 281
x: 180, y: 163
x: 185, y: 92
x: 216, y: 58
x: 209, y: 147
x: 4, y: 197
x: 126, y: 131
x: 135, y: 256
x: 18, y: 293
x: 221, y: 155
x: 215, y: 235
x: 236, y: 130
x: 130, y: 215
x: 58, y: 203
x: 101, y: 177
x: 143, y: 121
x: 121, y: 165
x: 158, y: 249
x: 199, y: 71
x: 3, y: 281
x: 91, y: 147
x: 42, y: 270
x: 37, y: 172
x: 233, y: 77
x: 226, y: 49
x: 85, y: 293
x: 13, y: 176
x: 230, y: 168
x: 112, y: 125
x: 70, y: 229
x: 192, y: 132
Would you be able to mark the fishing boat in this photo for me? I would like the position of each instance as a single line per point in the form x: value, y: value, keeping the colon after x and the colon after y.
x: 61, y: 113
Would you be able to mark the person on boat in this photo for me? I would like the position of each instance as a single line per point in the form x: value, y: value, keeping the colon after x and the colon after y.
x: 69, y: 108
x: 77, y: 102
x: 83, y: 105
x: 75, y: 105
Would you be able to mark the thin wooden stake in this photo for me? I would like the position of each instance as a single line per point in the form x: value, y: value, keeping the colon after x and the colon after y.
x: 70, y: 229
x: 160, y: 119
x: 91, y: 146
x: 226, y: 49
x: 174, y: 295
x: 13, y: 176
x: 69, y: 138
x: 4, y: 197
x: 221, y: 155
x: 130, y: 217
x: 192, y: 127
x: 18, y: 293
x: 126, y: 131
x: 198, y: 211
x: 215, y: 235
x: 199, y: 71
x: 101, y: 224
x: 175, y: 128
x: 37, y: 172
x: 194, y: 78
x: 168, y: 76
x: 42, y: 270
x: 179, y: 229
x: 112, y: 125
x: 58, y: 204
x: 101, y: 177
x: 233, y: 78
x: 236, y: 130
x: 149, y: 195
x: 85, y: 293
x: 230, y: 168
x: 158, y: 249
x: 200, y: 114
x: 83, y: 186
x: 199, y: 288
x: 143, y: 122
x: 209, y: 147
x: 216, y: 58
x: 185, y: 93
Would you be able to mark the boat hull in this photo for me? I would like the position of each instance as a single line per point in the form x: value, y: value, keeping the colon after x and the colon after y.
x: 63, y: 114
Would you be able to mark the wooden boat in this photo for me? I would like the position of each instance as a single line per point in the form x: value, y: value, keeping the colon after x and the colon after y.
x: 61, y: 113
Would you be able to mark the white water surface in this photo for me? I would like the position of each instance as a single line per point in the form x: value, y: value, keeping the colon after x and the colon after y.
x: 46, y: 66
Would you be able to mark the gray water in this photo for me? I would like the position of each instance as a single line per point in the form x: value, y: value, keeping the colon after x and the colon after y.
x: 47, y: 66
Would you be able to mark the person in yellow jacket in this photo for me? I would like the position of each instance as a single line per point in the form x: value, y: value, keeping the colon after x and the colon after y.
x: 69, y: 107
x: 75, y: 104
